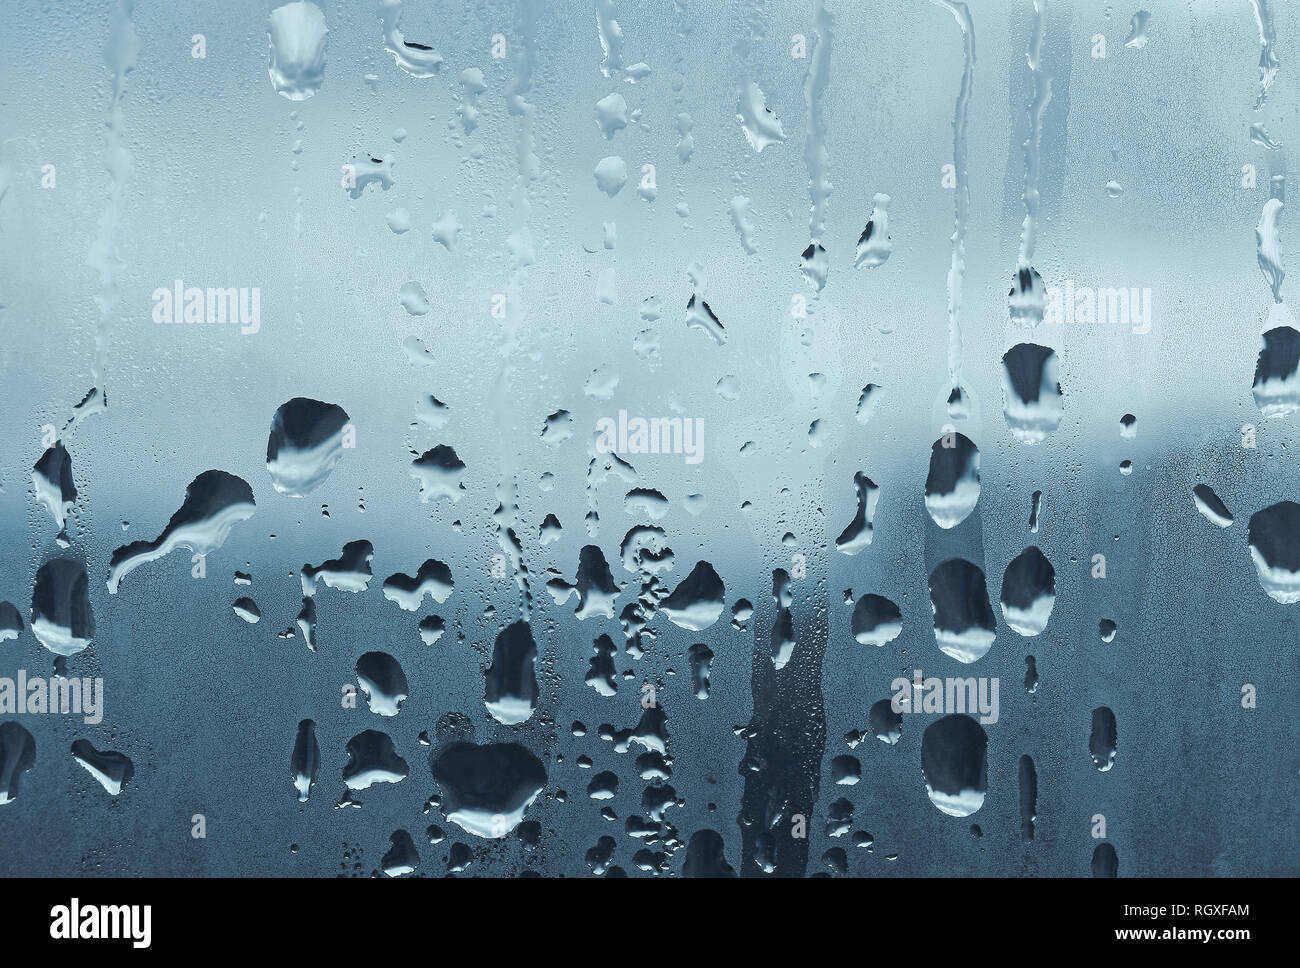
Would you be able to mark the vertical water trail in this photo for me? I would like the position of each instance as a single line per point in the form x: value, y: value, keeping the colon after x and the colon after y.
x: 686, y: 141
x: 120, y: 53
x: 745, y: 50
x: 1030, y: 389
x: 786, y: 735
x: 1268, y: 63
x: 1268, y: 232
x: 1033, y: 143
x: 507, y: 522
x: 519, y: 246
x: 1274, y: 372
x: 957, y: 271
x: 816, y: 157
x: 539, y: 735
x: 611, y: 38
x: 520, y: 241
x: 6, y: 181
x: 1268, y: 237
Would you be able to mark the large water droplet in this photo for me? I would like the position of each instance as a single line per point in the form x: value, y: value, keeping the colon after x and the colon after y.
x: 61, y: 617
x: 698, y: 601
x: 1274, y: 537
x: 112, y: 769
x: 1103, y: 741
x: 372, y: 759
x: 17, y: 756
x: 1211, y: 506
x: 1137, y: 35
x: 876, y: 621
x: 401, y: 857
x: 383, y: 682
x: 874, y: 245
x: 306, y: 441
x: 705, y: 856
x: 952, y: 488
x: 433, y: 579
x: 297, y: 53
x: 964, y: 626
x: 857, y: 535
x: 510, y: 682
x: 954, y: 764
x: 305, y: 760
x: 11, y: 622
x: 1031, y: 392
x: 438, y: 473
x: 1277, y: 372
x: 1028, y: 592
x: 214, y: 503
x: 761, y: 126
x: 486, y: 789
x: 52, y: 480
x: 418, y: 60
x: 349, y: 572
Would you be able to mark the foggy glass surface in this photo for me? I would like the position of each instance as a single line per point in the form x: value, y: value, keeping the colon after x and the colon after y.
x: 544, y: 305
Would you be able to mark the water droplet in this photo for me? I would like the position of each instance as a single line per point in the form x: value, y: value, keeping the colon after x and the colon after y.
x: 305, y: 760
x: 1274, y: 538
x: 438, y: 473
x: 875, y: 245
x: 761, y: 126
x: 383, y: 682
x: 954, y: 764
x: 418, y: 60
x: 698, y: 601
x: 1137, y: 36
x: 705, y: 856
x: 413, y: 298
x: 305, y: 443
x: 247, y: 609
x: 52, y: 480
x: 112, y: 769
x: 487, y: 788
x: 964, y: 626
x: 1102, y: 742
x: 62, y: 620
x: 297, y: 49
x: 1210, y: 505
x: 876, y: 621
x: 510, y: 682
x: 1031, y: 392
x: 372, y: 759
x: 433, y: 579
x: 401, y: 857
x: 952, y: 488
x: 17, y: 756
x: 1028, y: 592
x: 611, y: 175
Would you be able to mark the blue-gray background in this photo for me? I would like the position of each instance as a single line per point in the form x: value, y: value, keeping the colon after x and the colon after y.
x: 207, y: 706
